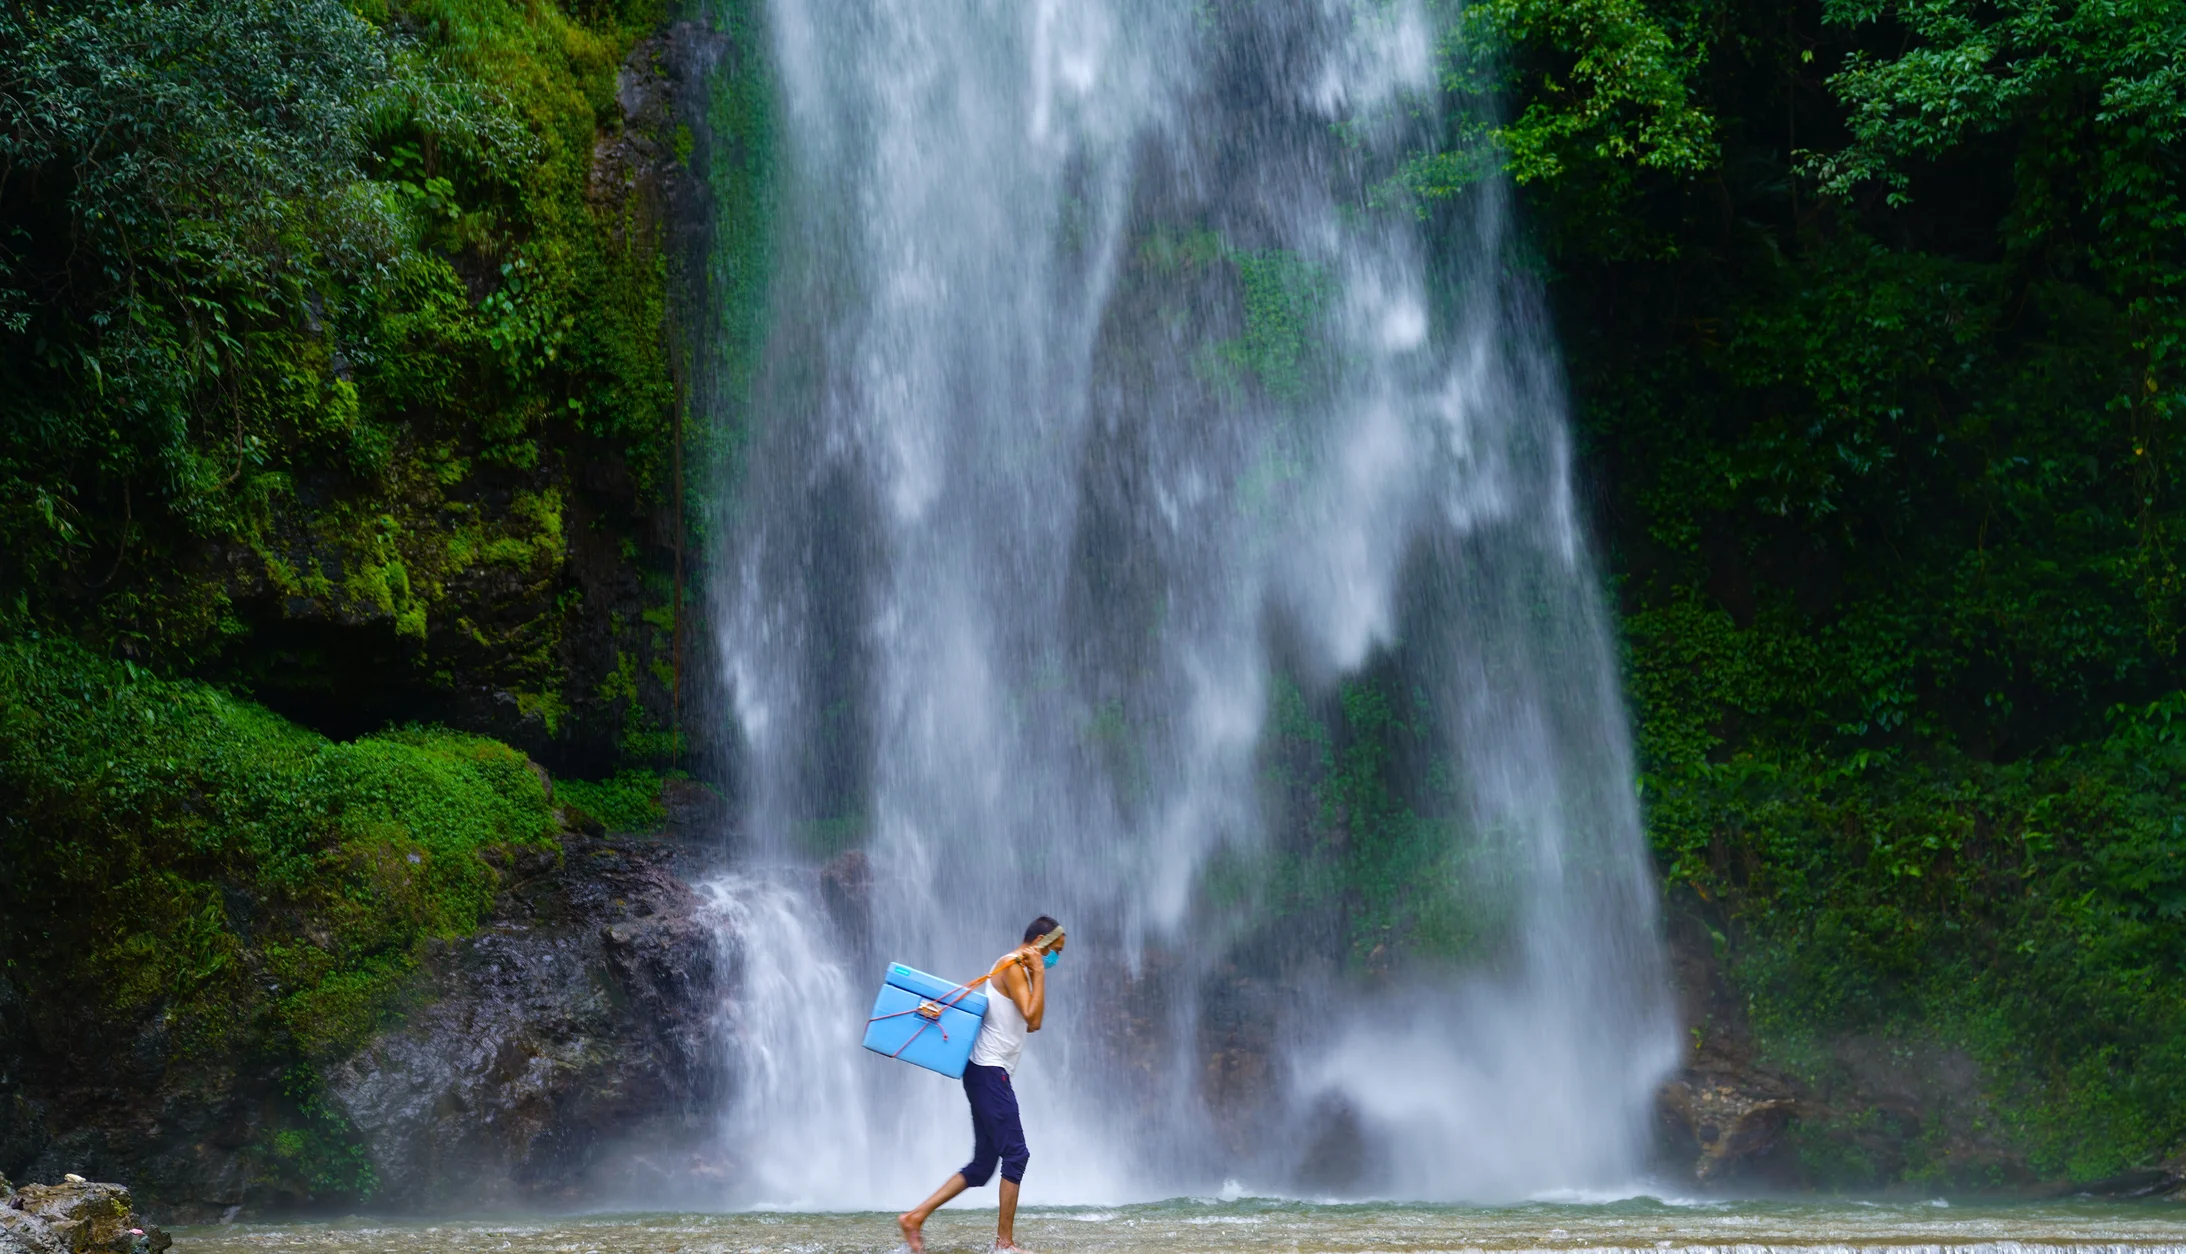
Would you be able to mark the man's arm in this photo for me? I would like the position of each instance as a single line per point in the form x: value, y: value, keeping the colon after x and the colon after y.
x: 1035, y: 971
x: 1024, y: 981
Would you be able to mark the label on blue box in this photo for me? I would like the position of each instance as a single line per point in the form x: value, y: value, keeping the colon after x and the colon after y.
x: 925, y: 1020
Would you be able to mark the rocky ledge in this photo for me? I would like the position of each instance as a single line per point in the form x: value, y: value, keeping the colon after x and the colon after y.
x: 565, y: 1049
x: 1867, y: 1114
x: 569, y: 1038
x: 76, y: 1216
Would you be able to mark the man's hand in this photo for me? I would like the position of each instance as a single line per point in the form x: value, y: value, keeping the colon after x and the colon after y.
x: 1023, y: 957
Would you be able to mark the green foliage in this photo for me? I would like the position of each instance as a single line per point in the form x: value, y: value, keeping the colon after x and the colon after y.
x: 1872, y: 314
x: 2030, y: 912
x: 181, y: 183
x: 1607, y: 92
x: 320, y: 1150
x: 2093, y: 96
x: 302, y: 306
x: 175, y: 853
x: 629, y: 801
x: 740, y: 140
x: 1369, y: 853
x: 1283, y: 298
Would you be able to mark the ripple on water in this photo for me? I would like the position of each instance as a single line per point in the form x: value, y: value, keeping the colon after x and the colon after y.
x: 1190, y: 1226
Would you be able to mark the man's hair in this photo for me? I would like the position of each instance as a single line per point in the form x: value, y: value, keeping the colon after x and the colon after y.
x: 1039, y: 927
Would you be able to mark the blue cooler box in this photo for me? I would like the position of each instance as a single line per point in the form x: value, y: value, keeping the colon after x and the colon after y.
x: 926, y: 1020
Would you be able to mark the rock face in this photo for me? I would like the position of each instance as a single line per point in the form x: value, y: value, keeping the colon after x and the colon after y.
x: 75, y: 1217
x: 1722, y: 1118
x: 1864, y: 1113
x: 178, y: 1128
x: 586, y: 618
x: 575, y: 1029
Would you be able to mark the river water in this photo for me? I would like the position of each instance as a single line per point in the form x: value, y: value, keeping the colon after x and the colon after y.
x: 1187, y: 1226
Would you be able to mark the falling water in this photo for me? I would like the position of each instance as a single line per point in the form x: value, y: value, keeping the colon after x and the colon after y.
x: 1110, y: 429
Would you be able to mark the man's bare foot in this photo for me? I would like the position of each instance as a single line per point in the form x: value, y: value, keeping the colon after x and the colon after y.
x: 1007, y: 1247
x: 910, y: 1222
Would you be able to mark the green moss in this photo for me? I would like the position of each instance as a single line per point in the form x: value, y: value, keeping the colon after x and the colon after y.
x: 1284, y: 298
x: 621, y: 684
x: 509, y: 551
x: 1169, y: 252
x: 141, y: 815
x: 644, y: 742
x: 1370, y: 848
x: 2026, y: 912
x: 318, y: 1150
x: 383, y: 382
x: 338, y: 1011
x: 173, y: 852
x: 547, y: 707
x: 628, y: 801
x: 740, y: 168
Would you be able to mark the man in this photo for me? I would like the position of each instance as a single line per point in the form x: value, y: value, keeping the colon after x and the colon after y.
x: 1016, y: 1003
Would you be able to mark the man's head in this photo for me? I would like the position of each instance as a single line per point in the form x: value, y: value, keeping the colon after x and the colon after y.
x: 1040, y: 927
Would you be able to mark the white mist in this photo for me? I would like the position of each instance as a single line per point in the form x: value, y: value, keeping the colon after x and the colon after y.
x: 1016, y: 565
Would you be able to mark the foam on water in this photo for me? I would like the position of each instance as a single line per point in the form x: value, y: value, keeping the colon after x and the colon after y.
x: 1184, y: 1227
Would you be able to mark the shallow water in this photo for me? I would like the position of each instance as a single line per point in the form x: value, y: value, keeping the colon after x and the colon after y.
x: 1186, y: 1226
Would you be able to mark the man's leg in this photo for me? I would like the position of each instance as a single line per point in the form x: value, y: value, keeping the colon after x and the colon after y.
x: 1009, y: 1143
x: 910, y: 1221
x: 977, y: 1089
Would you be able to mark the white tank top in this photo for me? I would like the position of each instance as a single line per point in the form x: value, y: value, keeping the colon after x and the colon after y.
x: 1002, y: 1036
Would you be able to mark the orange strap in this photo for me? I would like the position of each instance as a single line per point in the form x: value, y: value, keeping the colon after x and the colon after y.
x: 934, y: 1021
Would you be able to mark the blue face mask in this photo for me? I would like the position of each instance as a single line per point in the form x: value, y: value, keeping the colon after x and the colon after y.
x: 1048, y: 959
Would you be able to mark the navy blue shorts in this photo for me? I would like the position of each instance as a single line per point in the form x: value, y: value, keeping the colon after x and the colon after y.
x: 996, y: 1133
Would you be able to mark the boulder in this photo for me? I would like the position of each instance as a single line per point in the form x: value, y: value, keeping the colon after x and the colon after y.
x: 576, y: 1025
x: 21, y: 1234
x: 1855, y: 1114
x: 1731, y: 1124
x: 522, y: 1065
x: 77, y: 1216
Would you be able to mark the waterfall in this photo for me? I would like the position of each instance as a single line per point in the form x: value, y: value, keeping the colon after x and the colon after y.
x: 1111, y: 432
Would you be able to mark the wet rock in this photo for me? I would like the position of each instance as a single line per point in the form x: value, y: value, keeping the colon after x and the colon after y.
x: 182, y: 1138
x: 696, y: 813
x: 21, y: 1234
x: 1863, y: 1111
x: 1730, y: 1125
x: 578, y: 1023
x: 2165, y: 1180
x: 1338, y: 1156
x: 22, y: 1120
x: 77, y: 1216
x: 1721, y: 1119
x: 575, y: 1023
x: 846, y: 886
